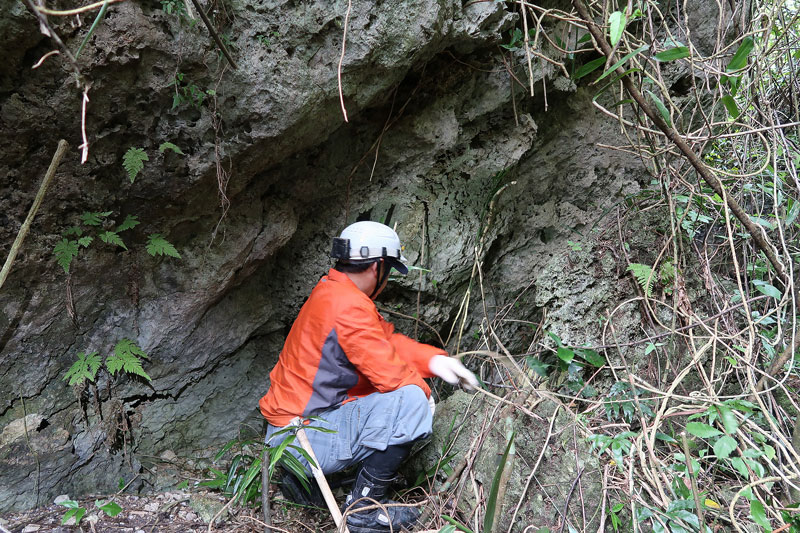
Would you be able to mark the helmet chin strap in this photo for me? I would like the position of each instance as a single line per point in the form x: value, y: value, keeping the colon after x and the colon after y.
x: 383, y: 274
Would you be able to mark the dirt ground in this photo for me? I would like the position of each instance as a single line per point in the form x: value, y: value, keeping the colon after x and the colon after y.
x: 169, y: 512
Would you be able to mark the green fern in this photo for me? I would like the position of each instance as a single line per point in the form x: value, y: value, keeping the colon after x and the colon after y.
x: 131, y: 221
x: 85, y: 241
x: 65, y: 252
x: 133, y: 161
x: 110, y: 237
x: 84, y: 368
x: 157, y: 245
x: 170, y: 146
x: 94, y: 219
x: 73, y: 230
x: 644, y: 275
x: 126, y: 357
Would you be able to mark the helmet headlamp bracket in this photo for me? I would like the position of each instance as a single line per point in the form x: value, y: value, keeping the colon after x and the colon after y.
x: 341, y: 248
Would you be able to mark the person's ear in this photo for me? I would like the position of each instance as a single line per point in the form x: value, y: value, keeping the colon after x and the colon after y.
x: 374, y: 267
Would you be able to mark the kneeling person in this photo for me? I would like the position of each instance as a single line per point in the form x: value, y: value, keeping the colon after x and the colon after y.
x: 343, y: 363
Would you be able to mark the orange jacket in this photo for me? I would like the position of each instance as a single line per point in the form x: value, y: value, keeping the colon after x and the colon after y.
x: 339, y: 349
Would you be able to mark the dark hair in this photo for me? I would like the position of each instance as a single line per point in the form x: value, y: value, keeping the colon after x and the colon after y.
x: 342, y: 265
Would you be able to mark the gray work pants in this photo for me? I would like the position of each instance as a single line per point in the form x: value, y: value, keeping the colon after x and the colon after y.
x: 364, y: 426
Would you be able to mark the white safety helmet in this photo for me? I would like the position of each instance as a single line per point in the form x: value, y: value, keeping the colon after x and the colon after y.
x: 366, y: 241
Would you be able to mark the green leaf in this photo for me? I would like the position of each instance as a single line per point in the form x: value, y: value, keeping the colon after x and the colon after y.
x: 65, y: 251
x: 765, y: 288
x: 739, y: 59
x: 537, y: 365
x: 661, y: 108
x: 73, y: 230
x: 126, y: 357
x: 131, y: 221
x: 157, y: 245
x: 588, y: 68
x: 565, y: 354
x: 69, y: 504
x: 730, y: 106
x: 622, y: 61
x: 456, y: 523
x: 679, y: 52
x: 616, y: 23
x: 769, y: 452
x: 110, y: 508
x: 704, y: 431
x: 94, y: 219
x: 77, y: 513
x: 84, y: 368
x: 762, y: 222
x: 85, y: 241
x: 724, y: 447
x: 758, y: 515
x: 679, y: 505
x: 170, y: 146
x: 133, y: 162
x: 110, y: 237
x: 666, y: 438
x: 592, y: 357
x: 728, y: 418
x: 738, y: 464
x: 644, y: 275
x: 492, y: 505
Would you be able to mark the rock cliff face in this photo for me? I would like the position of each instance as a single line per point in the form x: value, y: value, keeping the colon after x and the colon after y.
x: 269, y: 173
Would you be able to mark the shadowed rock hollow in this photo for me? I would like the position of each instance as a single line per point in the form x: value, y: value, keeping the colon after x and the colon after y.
x: 269, y: 173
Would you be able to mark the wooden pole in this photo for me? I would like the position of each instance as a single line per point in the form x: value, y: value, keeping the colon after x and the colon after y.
x: 26, y: 226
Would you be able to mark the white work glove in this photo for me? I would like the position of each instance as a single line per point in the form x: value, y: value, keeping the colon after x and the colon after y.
x: 452, y: 371
x: 432, y: 404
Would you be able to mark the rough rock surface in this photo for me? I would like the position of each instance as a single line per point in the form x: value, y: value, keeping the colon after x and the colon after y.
x: 424, y: 86
x: 549, y: 478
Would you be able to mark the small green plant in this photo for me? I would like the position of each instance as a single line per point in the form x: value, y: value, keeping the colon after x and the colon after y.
x: 127, y: 357
x: 178, y: 8
x: 157, y: 245
x: 570, y: 361
x: 133, y: 161
x: 68, y: 248
x: 576, y: 246
x: 242, y: 480
x: 265, y: 38
x: 613, y: 514
x: 186, y: 92
x: 169, y: 146
x: 620, y: 401
x: 74, y: 510
x: 644, y: 275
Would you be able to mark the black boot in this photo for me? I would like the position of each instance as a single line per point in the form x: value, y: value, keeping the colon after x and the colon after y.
x: 294, y: 491
x: 370, y: 487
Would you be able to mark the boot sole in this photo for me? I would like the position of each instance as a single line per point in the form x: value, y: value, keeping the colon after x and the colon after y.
x: 368, y: 529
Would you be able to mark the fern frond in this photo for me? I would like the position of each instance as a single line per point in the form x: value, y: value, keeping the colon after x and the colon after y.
x: 84, y: 368
x: 170, y: 146
x: 65, y: 251
x: 126, y: 357
x: 133, y: 161
x: 74, y: 230
x: 131, y: 221
x: 85, y: 241
x: 158, y: 245
x: 110, y: 237
x: 94, y: 219
x: 644, y: 275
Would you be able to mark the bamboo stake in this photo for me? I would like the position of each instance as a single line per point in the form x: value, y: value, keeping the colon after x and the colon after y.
x: 320, y: 477
x: 26, y: 226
